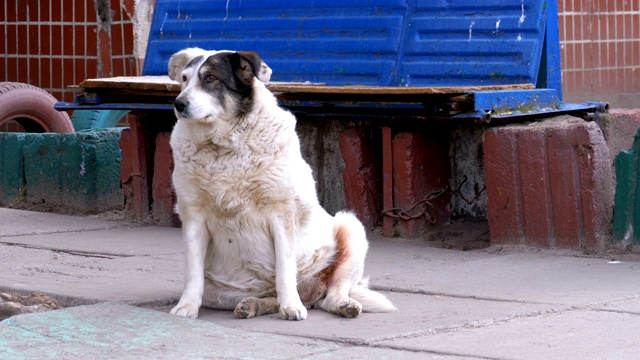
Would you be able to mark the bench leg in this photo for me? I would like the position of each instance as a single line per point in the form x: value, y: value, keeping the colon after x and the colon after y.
x: 387, y: 181
x: 140, y: 183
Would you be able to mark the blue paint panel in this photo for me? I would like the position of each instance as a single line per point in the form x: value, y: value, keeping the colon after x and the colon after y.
x: 455, y: 43
x: 337, y: 42
x: 366, y: 42
x: 515, y: 100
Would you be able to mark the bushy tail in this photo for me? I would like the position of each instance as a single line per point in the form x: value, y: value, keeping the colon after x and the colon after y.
x: 371, y: 301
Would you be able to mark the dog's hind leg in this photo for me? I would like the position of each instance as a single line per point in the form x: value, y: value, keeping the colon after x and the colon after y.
x: 347, y: 292
x: 252, y: 306
x: 348, y: 266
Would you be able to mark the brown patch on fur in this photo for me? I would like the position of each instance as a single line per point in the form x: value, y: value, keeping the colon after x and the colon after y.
x: 342, y: 254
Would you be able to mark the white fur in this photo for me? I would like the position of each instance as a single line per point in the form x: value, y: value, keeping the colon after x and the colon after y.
x: 252, y: 224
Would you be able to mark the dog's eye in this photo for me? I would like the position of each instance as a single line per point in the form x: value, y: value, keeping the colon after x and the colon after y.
x: 209, y: 78
x: 184, y: 78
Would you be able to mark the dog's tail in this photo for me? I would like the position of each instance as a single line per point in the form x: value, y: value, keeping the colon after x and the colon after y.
x: 371, y: 301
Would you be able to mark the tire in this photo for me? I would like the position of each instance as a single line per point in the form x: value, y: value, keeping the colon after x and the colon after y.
x: 32, y: 108
x: 96, y: 119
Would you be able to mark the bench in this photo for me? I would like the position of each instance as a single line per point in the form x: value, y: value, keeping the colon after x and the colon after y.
x: 401, y: 65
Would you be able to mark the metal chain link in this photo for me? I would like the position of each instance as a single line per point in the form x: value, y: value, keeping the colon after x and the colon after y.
x: 424, y: 207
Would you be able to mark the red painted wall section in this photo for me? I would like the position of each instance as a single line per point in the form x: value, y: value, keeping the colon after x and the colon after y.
x: 421, y: 167
x: 163, y: 196
x: 549, y: 184
x: 362, y: 176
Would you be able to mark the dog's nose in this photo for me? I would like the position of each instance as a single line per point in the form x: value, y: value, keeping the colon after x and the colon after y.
x: 180, y: 104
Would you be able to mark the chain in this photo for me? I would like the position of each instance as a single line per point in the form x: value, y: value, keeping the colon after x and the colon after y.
x: 424, y: 207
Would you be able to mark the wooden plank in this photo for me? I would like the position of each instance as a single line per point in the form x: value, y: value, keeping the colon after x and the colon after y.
x: 163, y: 83
x: 153, y: 83
x: 389, y: 90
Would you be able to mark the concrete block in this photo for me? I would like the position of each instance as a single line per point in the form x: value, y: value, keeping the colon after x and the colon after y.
x: 12, y: 181
x: 549, y: 184
x: 467, y: 172
x: 78, y: 171
x: 43, y: 167
x: 319, y: 144
x: 618, y: 127
x: 163, y: 196
x: 362, y: 176
x: 421, y: 168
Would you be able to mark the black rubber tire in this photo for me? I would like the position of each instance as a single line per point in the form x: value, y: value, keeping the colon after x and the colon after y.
x: 32, y: 108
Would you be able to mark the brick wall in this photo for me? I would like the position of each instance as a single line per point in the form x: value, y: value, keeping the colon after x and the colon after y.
x: 56, y: 43
x: 600, y: 42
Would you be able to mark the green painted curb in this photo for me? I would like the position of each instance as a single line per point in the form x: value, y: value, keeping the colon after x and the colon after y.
x: 78, y: 171
x: 626, y: 217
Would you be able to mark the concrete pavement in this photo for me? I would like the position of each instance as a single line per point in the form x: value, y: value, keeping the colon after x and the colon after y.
x: 118, y: 280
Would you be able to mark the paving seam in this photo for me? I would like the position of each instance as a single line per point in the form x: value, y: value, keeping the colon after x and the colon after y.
x: 123, y: 226
x: 435, y: 352
x: 457, y: 296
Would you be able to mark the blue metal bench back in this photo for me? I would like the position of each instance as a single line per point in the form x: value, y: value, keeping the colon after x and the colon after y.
x: 369, y: 42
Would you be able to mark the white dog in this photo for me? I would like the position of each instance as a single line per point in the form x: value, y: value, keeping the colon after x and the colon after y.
x: 257, y: 240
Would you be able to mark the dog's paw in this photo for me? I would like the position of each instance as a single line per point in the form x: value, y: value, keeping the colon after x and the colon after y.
x: 185, y: 310
x: 247, y: 308
x: 293, y: 312
x: 350, y: 308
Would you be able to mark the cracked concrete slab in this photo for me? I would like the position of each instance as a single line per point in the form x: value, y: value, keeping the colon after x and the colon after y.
x: 116, y: 331
x: 140, y: 241
x: 79, y: 279
x: 416, y: 315
x: 626, y: 305
x: 20, y: 222
x: 452, y: 304
x: 534, y: 276
x: 567, y: 335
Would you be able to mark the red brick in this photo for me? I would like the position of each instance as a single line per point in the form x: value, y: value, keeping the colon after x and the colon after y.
x: 549, y: 184
x: 503, y: 197
x: 67, y: 12
x: 104, y: 57
x: 164, y: 197
x: 564, y: 190
x: 536, y: 213
x: 361, y: 176
x: 80, y: 8
x: 420, y: 168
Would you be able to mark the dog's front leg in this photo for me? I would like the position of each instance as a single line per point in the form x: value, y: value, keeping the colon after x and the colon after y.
x: 284, y: 237
x: 196, y: 239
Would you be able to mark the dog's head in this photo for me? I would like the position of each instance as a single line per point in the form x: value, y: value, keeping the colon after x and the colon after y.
x: 215, y: 83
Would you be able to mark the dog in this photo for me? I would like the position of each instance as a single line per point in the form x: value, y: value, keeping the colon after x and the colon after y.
x: 257, y: 240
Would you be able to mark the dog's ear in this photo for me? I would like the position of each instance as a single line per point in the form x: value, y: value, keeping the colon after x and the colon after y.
x: 258, y: 67
x: 181, y: 59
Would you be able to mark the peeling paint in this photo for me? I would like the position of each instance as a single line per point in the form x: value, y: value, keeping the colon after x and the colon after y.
x: 227, y: 10
x: 522, y: 16
x: 471, y: 30
x: 166, y: 15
